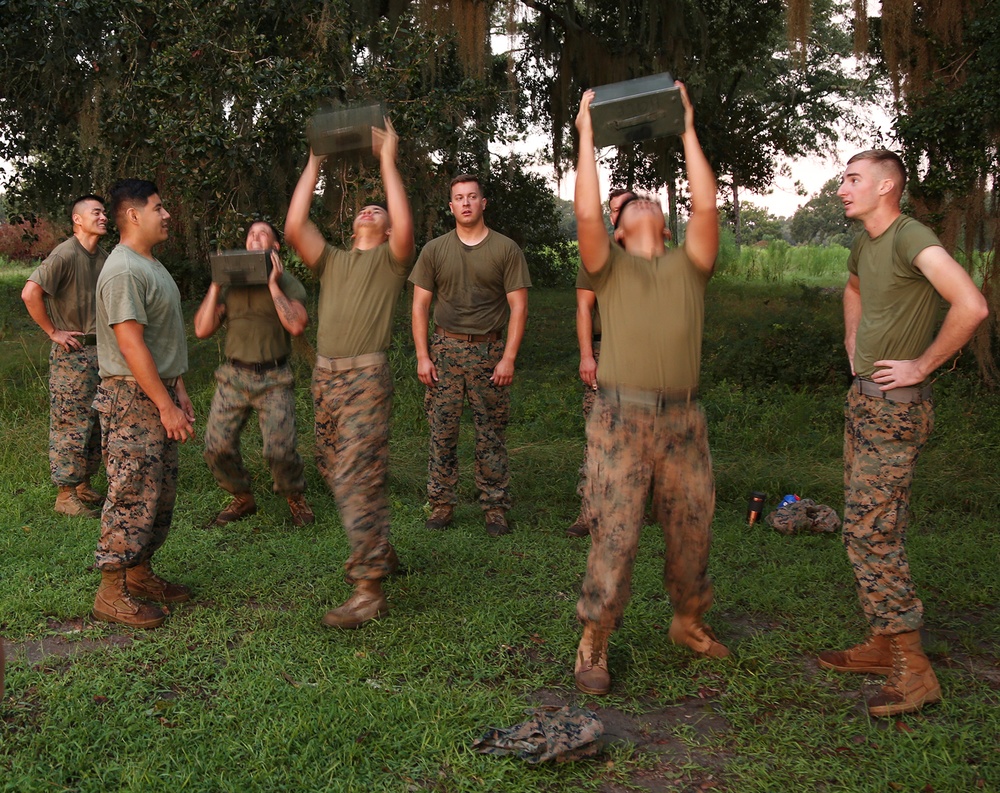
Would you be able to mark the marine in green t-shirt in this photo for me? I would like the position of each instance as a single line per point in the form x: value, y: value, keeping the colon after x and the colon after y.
x: 60, y: 296
x: 480, y: 279
x: 352, y: 383
x: 646, y: 432
x: 899, y: 272
x: 260, y: 321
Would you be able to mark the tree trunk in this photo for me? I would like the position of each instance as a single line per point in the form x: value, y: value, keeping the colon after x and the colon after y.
x: 736, y: 212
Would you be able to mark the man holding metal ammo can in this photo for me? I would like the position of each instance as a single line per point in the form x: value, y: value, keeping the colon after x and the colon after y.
x: 898, y: 273
x: 646, y: 428
x: 262, y: 309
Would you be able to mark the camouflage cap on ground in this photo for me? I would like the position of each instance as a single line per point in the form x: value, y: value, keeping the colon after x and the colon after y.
x: 804, y: 516
x: 552, y: 733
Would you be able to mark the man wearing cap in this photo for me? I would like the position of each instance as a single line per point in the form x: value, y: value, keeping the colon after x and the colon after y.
x: 144, y: 408
x: 899, y: 272
x: 481, y: 281
x: 260, y: 321
x: 59, y: 296
x: 646, y: 429
x: 352, y: 383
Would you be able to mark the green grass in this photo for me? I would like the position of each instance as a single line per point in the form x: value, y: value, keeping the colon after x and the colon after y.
x: 243, y: 690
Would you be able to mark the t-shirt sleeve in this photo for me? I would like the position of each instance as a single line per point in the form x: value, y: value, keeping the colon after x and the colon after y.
x: 583, y: 279
x: 852, y: 259
x: 402, y: 269
x: 50, y: 274
x: 122, y: 295
x: 324, y: 260
x: 911, y: 240
x: 516, y: 275
x: 601, y: 276
x: 292, y: 287
x: 423, y: 270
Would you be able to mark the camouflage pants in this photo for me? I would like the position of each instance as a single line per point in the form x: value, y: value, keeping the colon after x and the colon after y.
x: 464, y: 370
x: 74, y: 428
x: 272, y: 394
x: 589, y: 396
x: 882, y: 440
x: 632, y: 448
x: 352, y: 454
x: 142, y: 475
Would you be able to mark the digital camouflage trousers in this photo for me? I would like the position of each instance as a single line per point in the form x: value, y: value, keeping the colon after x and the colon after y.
x: 142, y: 475
x: 882, y: 441
x: 238, y: 392
x: 74, y: 427
x: 352, y: 455
x: 633, y: 448
x: 464, y: 370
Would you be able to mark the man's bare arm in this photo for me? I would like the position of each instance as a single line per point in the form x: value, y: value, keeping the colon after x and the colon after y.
x: 852, y: 316
x: 208, y: 317
x: 300, y: 232
x: 590, y: 229
x: 385, y: 144
x: 34, y: 300
x: 585, y: 302
x: 503, y: 373
x: 291, y: 313
x: 701, y: 240
x: 967, y: 308
x: 419, y: 324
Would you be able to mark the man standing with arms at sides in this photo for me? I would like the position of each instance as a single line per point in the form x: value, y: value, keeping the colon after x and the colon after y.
x: 256, y: 376
x: 588, y: 336
x: 352, y: 382
x: 646, y: 426
x: 898, y: 273
x: 144, y: 407
x: 59, y: 296
x: 481, y: 279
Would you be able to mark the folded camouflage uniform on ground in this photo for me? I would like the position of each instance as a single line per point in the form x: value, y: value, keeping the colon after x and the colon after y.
x: 552, y: 733
x: 803, y: 516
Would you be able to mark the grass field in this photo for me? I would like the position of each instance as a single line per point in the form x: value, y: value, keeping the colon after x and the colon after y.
x: 243, y: 690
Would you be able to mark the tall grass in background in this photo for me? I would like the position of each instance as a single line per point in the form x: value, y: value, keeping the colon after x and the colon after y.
x: 777, y: 262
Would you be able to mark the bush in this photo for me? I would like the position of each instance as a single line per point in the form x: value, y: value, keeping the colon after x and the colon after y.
x: 27, y: 240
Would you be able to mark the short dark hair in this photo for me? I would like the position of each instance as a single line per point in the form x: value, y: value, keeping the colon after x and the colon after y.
x: 618, y: 191
x: 127, y: 193
x: 886, y: 159
x: 80, y: 199
x: 464, y: 177
x: 269, y: 224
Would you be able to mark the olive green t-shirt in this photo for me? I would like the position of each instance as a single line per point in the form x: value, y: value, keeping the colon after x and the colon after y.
x: 899, y: 306
x: 253, y: 331
x: 471, y: 281
x: 133, y: 287
x: 358, y: 291
x: 583, y: 282
x: 68, y: 276
x: 654, y: 310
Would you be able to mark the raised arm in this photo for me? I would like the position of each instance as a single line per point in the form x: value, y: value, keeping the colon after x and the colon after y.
x: 208, y: 317
x: 385, y: 145
x: 300, y: 232
x: 701, y: 240
x: 590, y: 230
x: 291, y: 313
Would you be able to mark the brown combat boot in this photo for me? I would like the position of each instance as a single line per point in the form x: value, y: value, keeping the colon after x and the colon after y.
x: 367, y: 603
x: 302, y: 514
x: 496, y: 522
x: 69, y: 503
x: 579, y: 528
x: 691, y: 632
x: 143, y: 582
x: 114, y: 604
x: 441, y: 517
x: 591, y: 673
x: 88, y: 495
x: 911, y: 684
x: 873, y: 655
x: 242, y: 506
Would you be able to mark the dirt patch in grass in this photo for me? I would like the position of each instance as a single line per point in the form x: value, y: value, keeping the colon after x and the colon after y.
x: 64, y: 640
x: 669, y: 763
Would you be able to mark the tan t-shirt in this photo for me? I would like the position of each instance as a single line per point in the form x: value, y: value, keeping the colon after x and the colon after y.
x: 654, y: 310
x: 253, y: 331
x: 583, y: 282
x: 471, y: 281
x: 358, y: 291
x: 133, y: 287
x: 68, y: 276
x: 899, y: 306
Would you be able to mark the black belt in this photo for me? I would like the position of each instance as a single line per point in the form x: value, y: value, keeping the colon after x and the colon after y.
x: 910, y: 393
x: 87, y: 339
x: 475, y: 338
x: 262, y: 366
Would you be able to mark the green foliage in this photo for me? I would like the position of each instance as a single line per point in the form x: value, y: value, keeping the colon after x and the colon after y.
x: 756, y: 223
x: 821, y: 221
